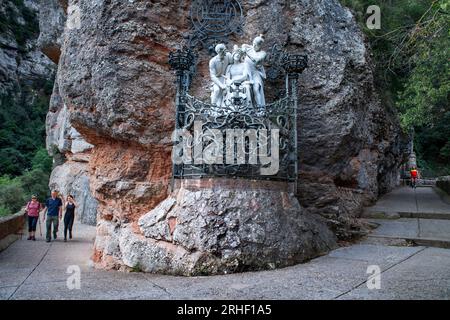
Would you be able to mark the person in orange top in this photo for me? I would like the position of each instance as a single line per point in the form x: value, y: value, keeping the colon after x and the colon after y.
x: 414, y: 176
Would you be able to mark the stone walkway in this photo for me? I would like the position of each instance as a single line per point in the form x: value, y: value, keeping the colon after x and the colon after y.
x: 420, y: 216
x: 405, y: 202
x: 38, y: 270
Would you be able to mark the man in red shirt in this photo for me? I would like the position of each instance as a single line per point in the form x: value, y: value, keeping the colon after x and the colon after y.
x: 414, y: 176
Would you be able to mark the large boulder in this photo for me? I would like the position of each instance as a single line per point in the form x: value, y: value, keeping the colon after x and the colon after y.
x: 213, y: 226
x: 116, y: 84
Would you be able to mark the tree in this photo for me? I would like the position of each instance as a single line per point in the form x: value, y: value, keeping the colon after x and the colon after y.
x: 35, y: 182
x: 411, y: 53
x: 42, y: 160
x: 12, y: 196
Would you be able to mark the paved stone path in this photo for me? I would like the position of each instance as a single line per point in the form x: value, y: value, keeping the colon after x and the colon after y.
x: 38, y: 270
x: 405, y: 202
x: 419, y: 215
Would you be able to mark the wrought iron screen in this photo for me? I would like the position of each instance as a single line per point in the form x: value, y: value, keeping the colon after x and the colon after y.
x: 213, y: 21
x: 280, y: 115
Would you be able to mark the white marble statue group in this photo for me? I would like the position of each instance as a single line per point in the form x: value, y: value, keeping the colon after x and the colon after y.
x: 239, y: 74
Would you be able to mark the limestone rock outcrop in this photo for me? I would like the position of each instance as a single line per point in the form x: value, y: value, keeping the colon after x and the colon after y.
x: 212, y: 226
x: 350, y: 145
x: 69, y: 149
x: 115, y: 82
x: 52, y: 18
x: 21, y: 62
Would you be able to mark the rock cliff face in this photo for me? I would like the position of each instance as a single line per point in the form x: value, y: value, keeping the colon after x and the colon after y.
x: 31, y: 34
x: 21, y: 61
x: 350, y: 145
x: 116, y: 90
x: 52, y: 18
x: 69, y: 149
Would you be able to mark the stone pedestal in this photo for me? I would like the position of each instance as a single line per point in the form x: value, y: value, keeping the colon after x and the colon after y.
x: 212, y: 226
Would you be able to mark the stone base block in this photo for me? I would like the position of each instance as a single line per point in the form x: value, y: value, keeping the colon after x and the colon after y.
x: 214, y: 226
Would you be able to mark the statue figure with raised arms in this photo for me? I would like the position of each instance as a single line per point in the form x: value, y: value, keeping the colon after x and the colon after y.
x: 255, y: 57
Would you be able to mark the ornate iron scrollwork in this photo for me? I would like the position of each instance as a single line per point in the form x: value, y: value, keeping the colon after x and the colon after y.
x: 213, y: 21
x: 183, y: 61
x: 239, y: 114
x: 279, y: 63
x: 278, y: 115
x: 295, y: 63
x: 275, y: 60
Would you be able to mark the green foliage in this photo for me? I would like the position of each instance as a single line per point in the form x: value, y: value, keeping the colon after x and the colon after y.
x: 397, y: 19
x: 433, y: 145
x: 42, y: 161
x: 12, y: 161
x: 24, y: 163
x: 412, y: 57
x: 35, y: 182
x: 424, y: 99
x: 15, y: 192
x: 136, y: 268
x: 4, y: 211
x: 22, y: 129
x: 12, y: 195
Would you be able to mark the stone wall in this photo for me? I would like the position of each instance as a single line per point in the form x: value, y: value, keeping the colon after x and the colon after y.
x: 10, y: 226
